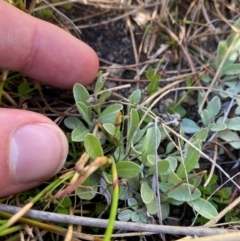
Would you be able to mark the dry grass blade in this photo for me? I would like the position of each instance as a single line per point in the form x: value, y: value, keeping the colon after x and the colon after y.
x: 223, y: 212
x: 69, y: 234
x: 229, y: 237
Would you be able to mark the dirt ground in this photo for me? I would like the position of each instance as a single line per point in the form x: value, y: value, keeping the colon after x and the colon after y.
x: 128, y: 37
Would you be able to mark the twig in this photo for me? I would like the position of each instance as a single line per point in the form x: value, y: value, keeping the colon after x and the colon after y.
x: 102, y: 223
x: 69, y: 234
x: 155, y: 176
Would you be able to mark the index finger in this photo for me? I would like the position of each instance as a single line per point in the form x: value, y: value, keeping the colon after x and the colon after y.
x: 43, y: 51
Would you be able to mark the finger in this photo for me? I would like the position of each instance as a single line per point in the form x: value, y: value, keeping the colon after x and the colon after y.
x: 43, y: 51
x: 32, y: 147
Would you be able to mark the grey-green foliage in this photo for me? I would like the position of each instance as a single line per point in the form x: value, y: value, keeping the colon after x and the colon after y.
x: 215, y: 121
x: 213, y: 116
x: 133, y: 144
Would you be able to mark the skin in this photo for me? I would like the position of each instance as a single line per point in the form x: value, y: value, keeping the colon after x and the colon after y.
x: 43, y: 52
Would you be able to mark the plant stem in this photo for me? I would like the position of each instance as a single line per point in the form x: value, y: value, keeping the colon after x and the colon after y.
x: 114, y: 206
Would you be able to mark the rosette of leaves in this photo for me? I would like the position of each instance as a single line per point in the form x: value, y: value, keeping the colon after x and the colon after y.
x: 133, y: 143
x: 173, y: 172
x: 212, y: 116
x: 93, y: 112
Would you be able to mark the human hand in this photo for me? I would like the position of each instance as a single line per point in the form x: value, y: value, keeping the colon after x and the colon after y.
x: 32, y: 147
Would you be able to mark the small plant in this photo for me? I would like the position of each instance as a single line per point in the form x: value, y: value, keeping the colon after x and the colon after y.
x: 149, y: 182
x: 154, y: 75
x: 133, y: 142
x: 216, y: 115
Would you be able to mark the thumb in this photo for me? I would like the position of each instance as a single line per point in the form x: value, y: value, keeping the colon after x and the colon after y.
x: 32, y: 148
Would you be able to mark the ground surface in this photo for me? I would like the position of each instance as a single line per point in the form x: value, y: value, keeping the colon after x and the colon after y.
x: 187, y: 32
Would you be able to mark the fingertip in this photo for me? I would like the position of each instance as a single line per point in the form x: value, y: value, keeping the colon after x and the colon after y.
x: 44, y: 51
x: 60, y: 59
x: 87, y: 68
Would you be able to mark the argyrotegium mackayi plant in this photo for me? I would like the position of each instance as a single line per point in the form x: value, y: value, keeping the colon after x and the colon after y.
x: 215, y: 115
x: 150, y: 182
x: 133, y: 144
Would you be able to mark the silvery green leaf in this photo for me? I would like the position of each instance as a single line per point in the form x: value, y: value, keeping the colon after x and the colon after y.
x: 135, y: 217
x: 213, y: 107
x: 80, y: 94
x: 132, y: 203
x: 143, y: 217
x: 237, y: 110
x: 217, y: 127
x: 221, y: 51
x: 150, y: 160
x: 127, y: 169
x: 134, y: 183
x: 199, y: 137
x: 188, y: 126
x: 233, y: 69
x: 233, y: 123
x: 173, y: 178
x: 125, y: 215
x: 163, y: 166
x: 182, y: 192
x: 91, y: 182
x: 101, y: 100
x: 165, y: 208
x: 237, y: 100
x: 138, y: 134
x: 120, y: 155
x: 135, y: 97
x: 124, y: 193
x: 190, y: 159
x: 93, y: 146
x: 170, y: 147
x: 151, y: 139
x: 204, y: 208
x: 72, y: 122
x: 146, y: 193
x: 230, y: 81
x: 174, y: 202
x: 173, y: 162
x: 79, y: 133
x: 230, y: 137
x: 231, y: 91
x: 201, y: 95
x: 133, y: 123
x: 151, y: 207
x: 237, y: 43
x: 205, y: 117
x: 207, y: 78
x: 85, y: 112
x: 109, y: 114
x: 109, y: 128
x: 99, y: 83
